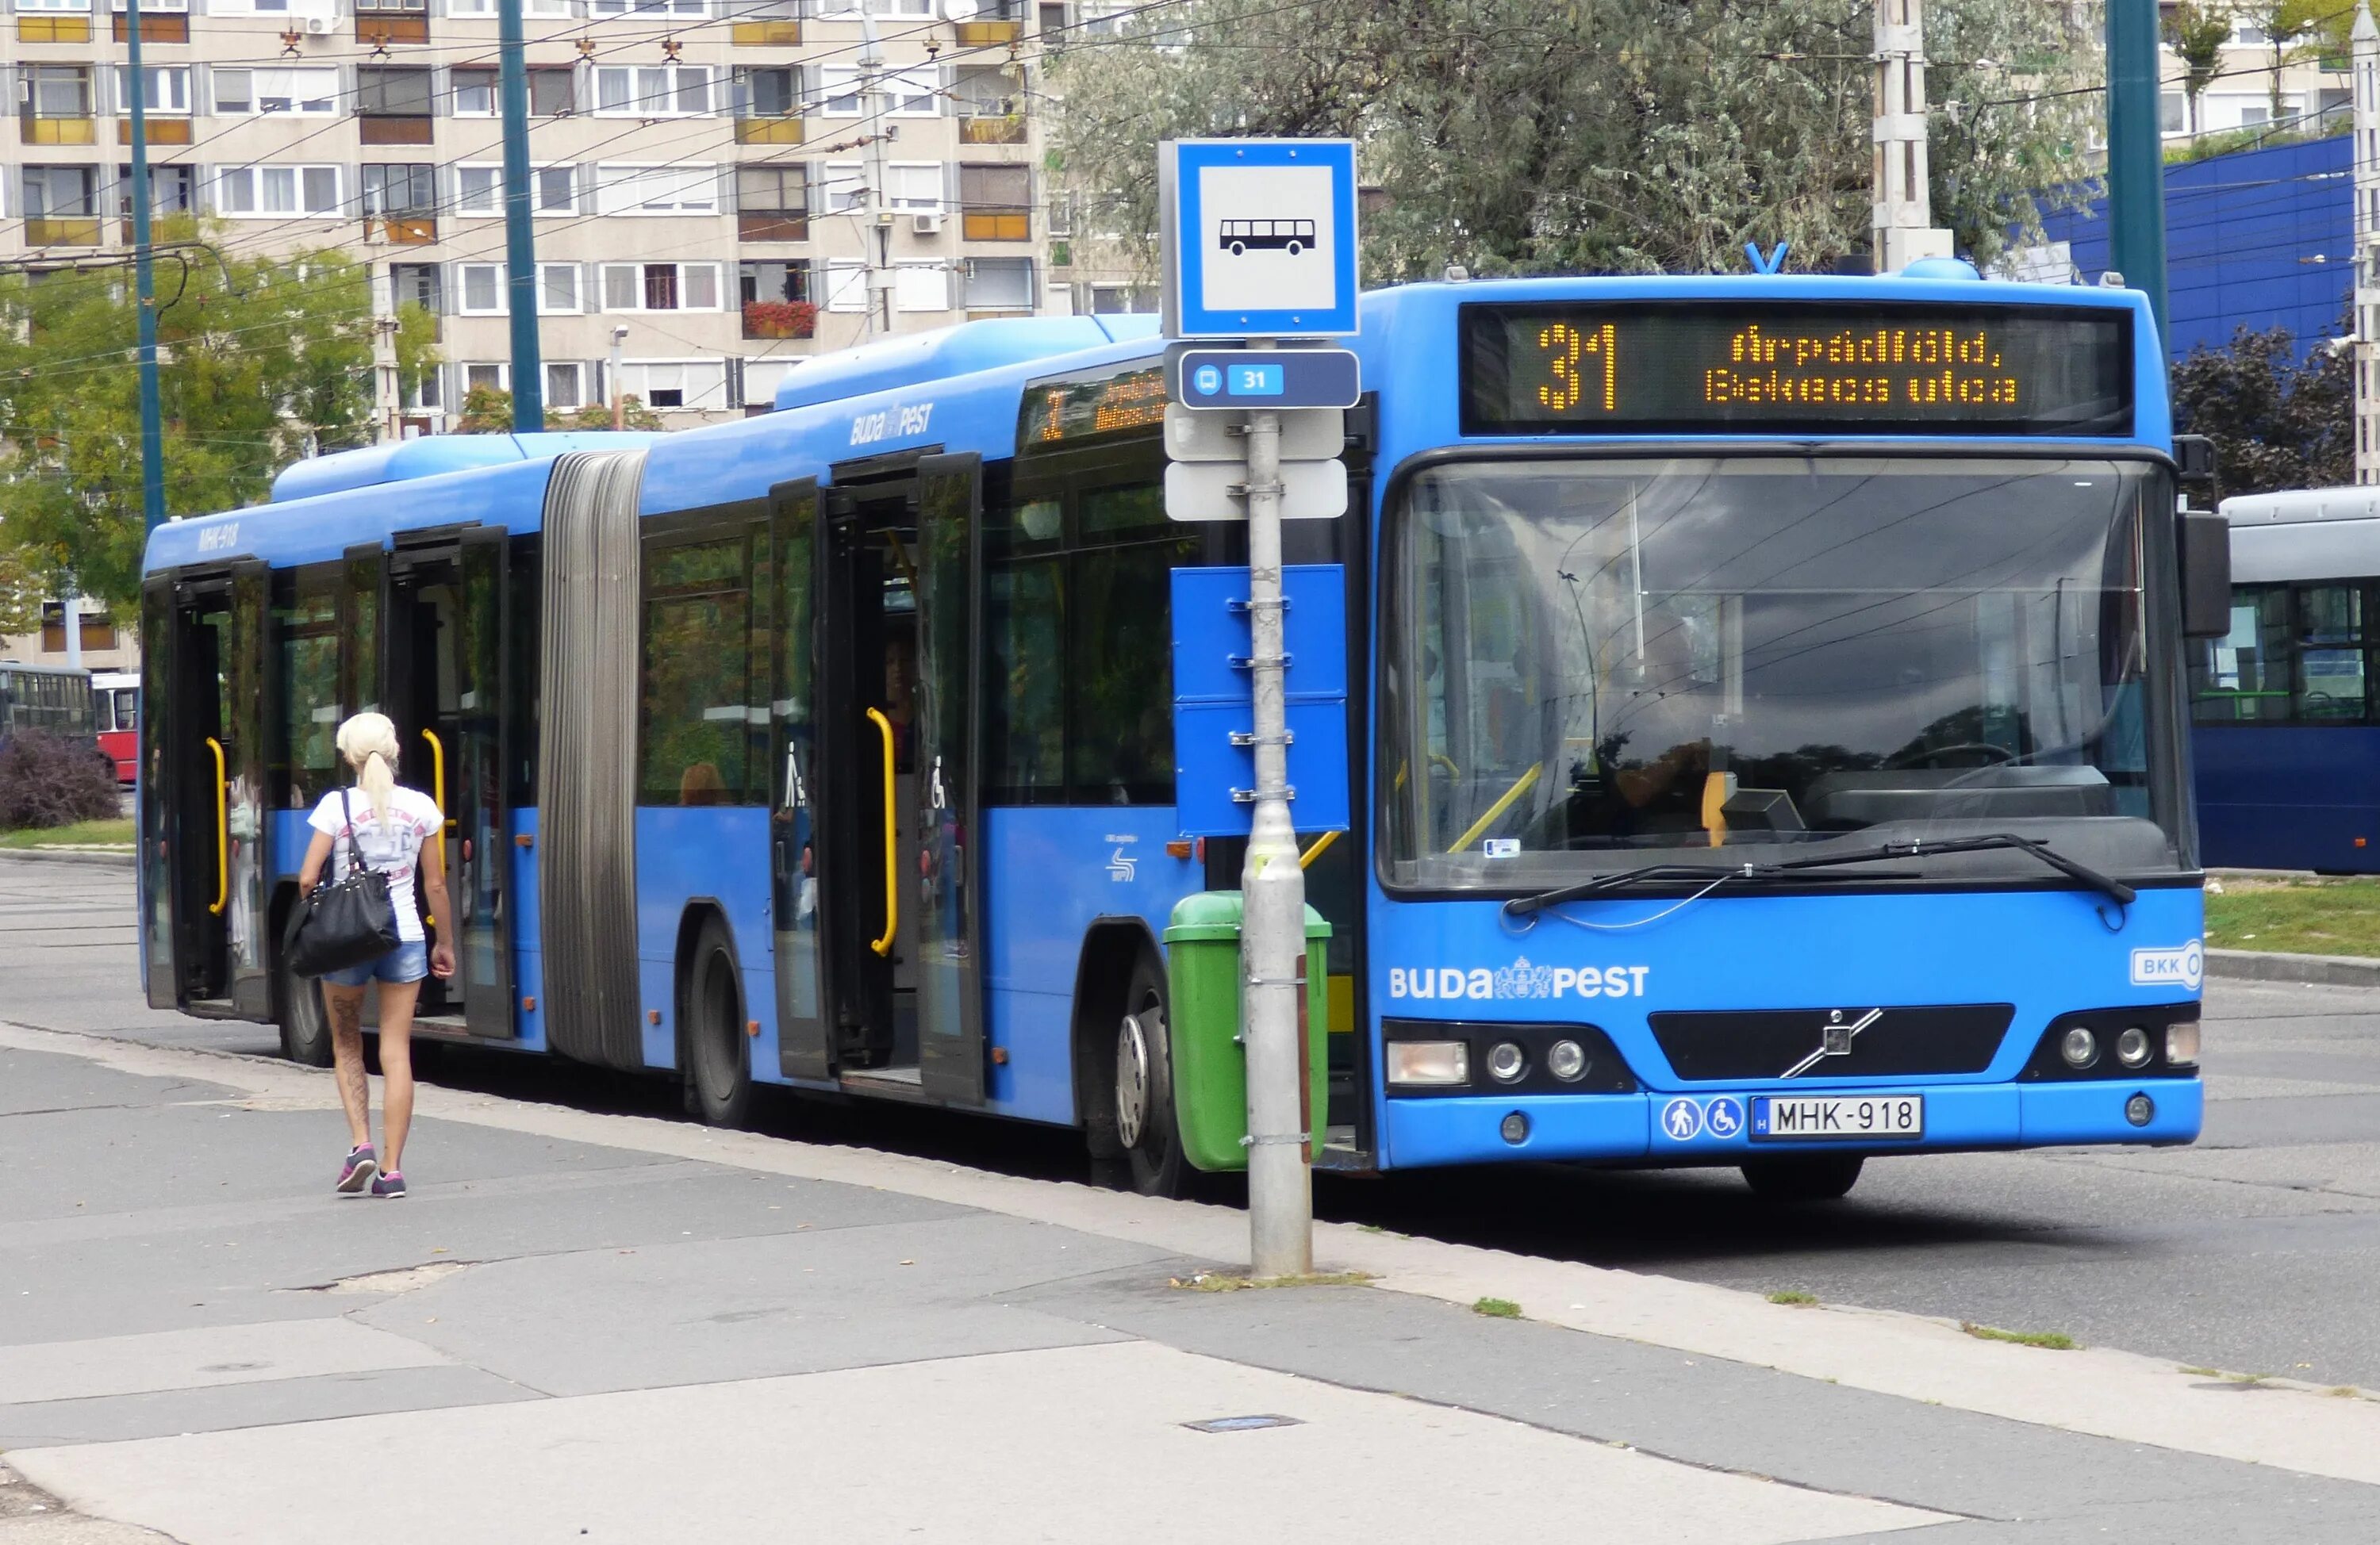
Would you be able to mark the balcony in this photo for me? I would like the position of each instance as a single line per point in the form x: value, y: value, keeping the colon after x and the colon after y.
x: 394, y: 128
x: 768, y: 131
x: 162, y: 131
x: 154, y: 28
x: 378, y: 30
x: 62, y: 230
x: 773, y: 225
x: 994, y: 222
x: 58, y: 131
x: 988, y: 34
x: 780, y: 319
x: 404, y: 230
x: 988, y: 129
x: 765, y: 34
x: 54, y: 28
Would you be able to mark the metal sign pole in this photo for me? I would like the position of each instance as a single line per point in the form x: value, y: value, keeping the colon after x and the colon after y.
x: 1272, y: 920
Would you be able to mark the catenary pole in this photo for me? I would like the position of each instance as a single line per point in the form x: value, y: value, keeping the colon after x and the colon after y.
x: 144, y: 285
x: 520, y: 242
x: 2135, y: 152
x: 879, y: 235
x: 1272, y: 923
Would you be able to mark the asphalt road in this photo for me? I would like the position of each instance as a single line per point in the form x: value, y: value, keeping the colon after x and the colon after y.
x: 2255, y: 1251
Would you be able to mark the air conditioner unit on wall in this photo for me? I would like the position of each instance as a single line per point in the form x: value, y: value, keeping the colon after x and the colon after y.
x: 322, y: 26
x: 926, y: 225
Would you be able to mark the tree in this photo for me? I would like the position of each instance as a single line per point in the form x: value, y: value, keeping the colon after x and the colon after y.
x: 260, y: 361
x: 2284, y: 22
x: 1525, y: 136
x: 2198, y: 31
x: 634, y: 414
x: 485, y: 411
x: 2277, y: 421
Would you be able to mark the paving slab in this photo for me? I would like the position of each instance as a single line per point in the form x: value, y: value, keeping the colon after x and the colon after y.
x: 1074, y: 1443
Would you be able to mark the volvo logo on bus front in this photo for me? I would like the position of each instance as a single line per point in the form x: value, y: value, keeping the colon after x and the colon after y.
x: 1835, y: 1039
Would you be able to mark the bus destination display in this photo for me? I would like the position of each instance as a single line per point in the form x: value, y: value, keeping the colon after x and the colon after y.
x: 1873, y: 368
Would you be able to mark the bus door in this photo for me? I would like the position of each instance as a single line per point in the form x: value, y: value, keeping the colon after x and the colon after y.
x: 804, y: 1047
x: 891, y: 810
x: 202, y: 793
x: 443, y: 615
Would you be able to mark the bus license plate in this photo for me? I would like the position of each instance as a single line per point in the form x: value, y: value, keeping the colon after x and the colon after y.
x: 1859, y: 1116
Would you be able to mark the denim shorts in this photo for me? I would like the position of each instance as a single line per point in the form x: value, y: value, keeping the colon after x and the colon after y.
x: 406, y: 964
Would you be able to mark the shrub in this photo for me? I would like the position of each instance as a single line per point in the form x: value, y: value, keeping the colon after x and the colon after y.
x: 53, y: 780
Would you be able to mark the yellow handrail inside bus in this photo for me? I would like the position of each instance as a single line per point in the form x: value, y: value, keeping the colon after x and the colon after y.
x: 438, y: 775
x: 1306, y: 859
x: 223, y: 831
x: 891, y: 870
x: 1529, y: 780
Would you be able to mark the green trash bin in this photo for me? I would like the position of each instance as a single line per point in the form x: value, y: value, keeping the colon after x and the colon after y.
x: 1210, y: 1067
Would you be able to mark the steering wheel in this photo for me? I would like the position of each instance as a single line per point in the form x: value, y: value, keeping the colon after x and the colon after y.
x: 1932, y: 755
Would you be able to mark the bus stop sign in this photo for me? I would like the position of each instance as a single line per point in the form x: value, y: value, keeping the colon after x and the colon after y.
x: 1258, y: 238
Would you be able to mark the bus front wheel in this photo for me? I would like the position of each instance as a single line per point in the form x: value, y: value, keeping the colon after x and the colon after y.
x: 1146, y: 1125
x: 1804, y: 1176
x: 717, y: 1052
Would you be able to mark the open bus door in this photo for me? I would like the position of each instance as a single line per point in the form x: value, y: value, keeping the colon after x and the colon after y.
x: 202, y: 793
x: 446, y: 681
x: 882, y: 887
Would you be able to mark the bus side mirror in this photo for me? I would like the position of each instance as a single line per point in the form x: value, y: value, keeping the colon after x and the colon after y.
x: 2194, y: 457
x: 2205, y: 574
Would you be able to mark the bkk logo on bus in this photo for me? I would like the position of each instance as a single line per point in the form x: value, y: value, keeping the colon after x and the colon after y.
x: 1519, y: 980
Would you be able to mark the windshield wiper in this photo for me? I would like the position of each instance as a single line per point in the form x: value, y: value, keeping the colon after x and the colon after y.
x: 1655, y: 874
x: 2120, y: 893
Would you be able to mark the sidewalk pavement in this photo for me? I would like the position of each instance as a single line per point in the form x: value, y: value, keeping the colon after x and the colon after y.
x: 596, y: 1327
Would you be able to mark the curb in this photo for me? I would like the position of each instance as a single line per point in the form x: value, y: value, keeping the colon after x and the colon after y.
x: 69, y: 855
x: 2330, y: 971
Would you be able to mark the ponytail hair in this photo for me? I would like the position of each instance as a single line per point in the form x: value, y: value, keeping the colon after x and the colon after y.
x: 369, y: 743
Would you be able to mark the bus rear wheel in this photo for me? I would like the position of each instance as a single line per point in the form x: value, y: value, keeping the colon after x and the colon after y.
x: 305, y: 1028
x: 717, y: 1052
x: 1804, y: 1176
x: 1146, y: 1125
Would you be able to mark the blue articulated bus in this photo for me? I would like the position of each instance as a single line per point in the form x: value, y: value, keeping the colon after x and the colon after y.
x: 2286, y: 733
x: 1768, y: 745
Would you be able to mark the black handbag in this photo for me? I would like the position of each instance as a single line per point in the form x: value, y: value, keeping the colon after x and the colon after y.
x: 344, y: 924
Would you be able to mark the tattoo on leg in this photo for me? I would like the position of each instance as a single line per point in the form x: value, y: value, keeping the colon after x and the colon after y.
x: 347, y: 1051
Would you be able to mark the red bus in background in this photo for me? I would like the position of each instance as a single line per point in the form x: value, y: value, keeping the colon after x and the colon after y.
x: 115, y: 713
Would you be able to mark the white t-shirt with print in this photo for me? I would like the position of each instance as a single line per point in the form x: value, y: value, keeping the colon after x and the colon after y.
x: 394, y: 848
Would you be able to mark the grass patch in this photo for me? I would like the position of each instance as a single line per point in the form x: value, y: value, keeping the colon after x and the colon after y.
x: 1793, y: 1296
x: 2343, y: 1392
x: 1225, y: 1281
x: 1497, y: 1309
x: 2297, y: 917
x: 81, y: 834
x: 2201, y: 1373
x: 2051, y: 1341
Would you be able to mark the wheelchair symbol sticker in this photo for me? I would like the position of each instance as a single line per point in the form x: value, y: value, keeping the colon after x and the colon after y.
x: 1724, y: 1117
x: 1682, y: 1120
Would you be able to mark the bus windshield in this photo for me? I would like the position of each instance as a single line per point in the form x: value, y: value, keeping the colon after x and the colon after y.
x: 1595, y: 664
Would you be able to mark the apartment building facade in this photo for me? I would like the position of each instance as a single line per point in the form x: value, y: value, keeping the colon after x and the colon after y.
x: 698, y: 170
x: 2314, y: 85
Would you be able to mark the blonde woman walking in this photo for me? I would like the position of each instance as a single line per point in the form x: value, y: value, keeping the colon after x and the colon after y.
x: 395, y: 829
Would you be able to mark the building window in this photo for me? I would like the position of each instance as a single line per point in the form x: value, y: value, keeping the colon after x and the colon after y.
x: 480, y: 189
x: 60, y: 192
x: 557, y: 289
x: 566, y: 384
x: 408, y: 189
x: 169, y: 88
x: 252, y: 191
x: 664, y: 92
x: 483, y: 288
x: 999, y: 284
x: 846, y: 286
x: 172, y: 189
x: 772, y: 203
x: 656, y: 190
x: 554, y: 91
x: 556, y: 190
x: 776, y: 300
x: 1116, y: 300
x: 384, y: 91
x: 492, y: 378
x: 302, y: 92
x: 698, y: 384
x: 473, y: 93
x: 843, y: 185
x: 769, y: 92
x: 646, y: 7
x: 921, y: 287
x: 996, y: 203
x: 914, y: 185
x: 56, y: 91
x: 661, y: 286
x: 2169, y: 111
x: 910, y: 93
x: 415, y: 285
